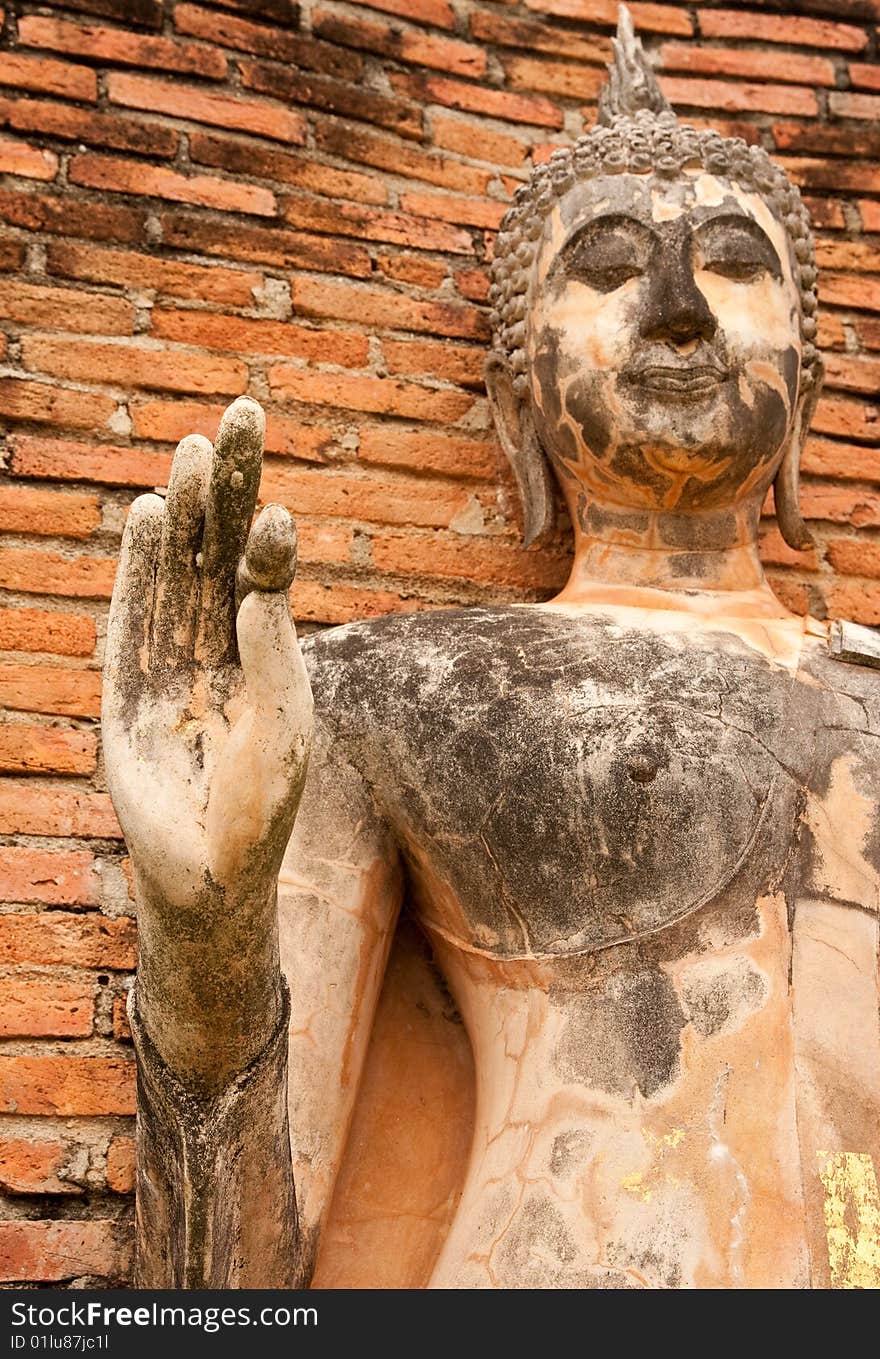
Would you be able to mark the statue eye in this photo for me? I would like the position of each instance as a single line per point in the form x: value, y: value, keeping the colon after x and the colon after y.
x: 608, y: 278
x: 741, y: 270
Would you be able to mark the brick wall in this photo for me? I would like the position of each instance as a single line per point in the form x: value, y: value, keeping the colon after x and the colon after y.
x: 203, y: 199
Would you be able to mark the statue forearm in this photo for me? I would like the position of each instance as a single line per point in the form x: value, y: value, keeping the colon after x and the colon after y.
x: 216, y: 1206
x: 209, y: 983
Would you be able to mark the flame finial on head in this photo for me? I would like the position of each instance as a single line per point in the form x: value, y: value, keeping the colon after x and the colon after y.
x: 631, y: 84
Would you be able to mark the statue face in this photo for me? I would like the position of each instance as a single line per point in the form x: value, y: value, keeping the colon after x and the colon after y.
x: 663, y: 341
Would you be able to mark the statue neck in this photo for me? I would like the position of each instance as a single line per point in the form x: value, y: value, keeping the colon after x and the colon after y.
x: 709, y: 553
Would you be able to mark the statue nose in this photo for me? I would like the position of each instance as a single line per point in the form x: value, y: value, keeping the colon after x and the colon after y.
x: 675, y: 308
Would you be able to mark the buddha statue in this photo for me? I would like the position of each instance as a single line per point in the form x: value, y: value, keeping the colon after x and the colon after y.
x: 637, y: 825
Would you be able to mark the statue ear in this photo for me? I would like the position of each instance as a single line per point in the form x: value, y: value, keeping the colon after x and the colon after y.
x: 522, y: 448
x: 787, y: 482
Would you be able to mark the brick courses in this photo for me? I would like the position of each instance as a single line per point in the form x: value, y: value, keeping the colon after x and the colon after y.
x: 200, y: 199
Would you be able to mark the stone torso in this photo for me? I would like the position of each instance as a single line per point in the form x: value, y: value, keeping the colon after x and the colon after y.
x: 559, y: 786
x: 601, y: 823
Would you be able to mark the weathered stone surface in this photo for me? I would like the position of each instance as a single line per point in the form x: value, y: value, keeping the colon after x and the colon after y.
x: 637, y: 825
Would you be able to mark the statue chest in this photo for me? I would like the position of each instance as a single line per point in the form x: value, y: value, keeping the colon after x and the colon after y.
x: 576, y: 792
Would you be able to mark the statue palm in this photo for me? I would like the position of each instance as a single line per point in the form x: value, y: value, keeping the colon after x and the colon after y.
x: 206, y: 722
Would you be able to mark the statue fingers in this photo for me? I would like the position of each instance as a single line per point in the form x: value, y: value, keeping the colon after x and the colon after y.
x: 232, y: 496
x: 127, y: 658
x: 279, y: 695
x: 177, y: 576
x: 269, y: 561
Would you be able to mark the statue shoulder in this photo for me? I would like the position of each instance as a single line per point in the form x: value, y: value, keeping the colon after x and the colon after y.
x: 365, y: 665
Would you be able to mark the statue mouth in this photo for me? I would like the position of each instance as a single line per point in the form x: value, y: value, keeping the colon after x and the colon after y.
x: 680, y: 382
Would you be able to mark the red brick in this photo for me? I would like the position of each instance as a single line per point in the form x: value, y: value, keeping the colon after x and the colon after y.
x: 130, y: 269
x: 831, y: 140
x: 333, y: 96
x: 85, y: 125
x: 281, y: 44
x: 845, y: 105
x: 70, y: 461
x: 121, y: 1032
x: 824, y: 213
x: 473, y: 284
x: 648, y: 18
x: 264, y: 245
x: 841, y: 505
x: 24, y: 509
x: 121, y: 1165
x: 870, y: 214
x: 854, y: 557
x: 749, y: 63
x: 116, y: 46
x: 787, y: 28
x: 414, y: 269
x: 66, y: 1086
x: 62, y: 216
x: 62, y: 938
x: 378, y: 308
x: 847, y: 418
x: 131, y: 176
x: 198, y: 106
x: 775, y: 551
x: 422, y: 451
x: 534, y: 37
x: 29, y: 1166
x: 26, y: 809
x: 26, y: 749
x: 70, y: 309
x: 436, y: 12
x: 439, y: 557
x: 41, y: 689
x: 50, y: 1252
x: 824, y: 458
x: 57, y: 879
x: 385, y: 396
x: 429, y: 358
x: 242, y: 335
x: 514, y: 108
x: 34, y: 571
x: 61, y: 634
x: 17, y: 158
x: 45, y: 1007
x: 855, y: 255
x: 559, y: 78
x: 833, y: 174
x: 858, y: 603
x: 480, y: 212
x: 47, y: 76
x: 370, y: 148
x: 142, y: 13
x: 318, y: 602
x: 47, y: 403
x: 402, y: 44
x: 246, y: 158
x: 371, y: 224
x: 11, y: 255
x: 478, y: 142
x: 169, y: 421
x: 130, y: 365
x: 852, y: 373
x: 399, y: 501
x: 683, y: 92
x: 866, y: 77
x: 790, y: 592
x: 850, y: 290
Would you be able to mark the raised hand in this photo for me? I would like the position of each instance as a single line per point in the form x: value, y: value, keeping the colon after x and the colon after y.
x: 206, y: 724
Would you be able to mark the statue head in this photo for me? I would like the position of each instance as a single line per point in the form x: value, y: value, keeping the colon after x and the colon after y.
x: 654, y: 318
